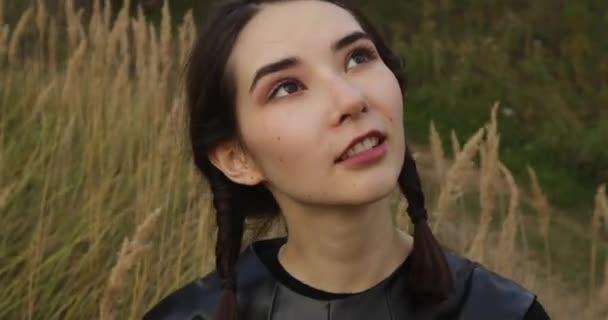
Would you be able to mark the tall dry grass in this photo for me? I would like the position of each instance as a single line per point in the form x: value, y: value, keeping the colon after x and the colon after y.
x: 16, y: 35
x: 600, y: 212
x: 91, y: 143
x: 503, y: 245
x: 453, y: 182
x: 503, y: 263
x: 87, y: 148
x: 488, y: 175
x: 130, y: 252
x: 437, y: 153
x: 543, y: 209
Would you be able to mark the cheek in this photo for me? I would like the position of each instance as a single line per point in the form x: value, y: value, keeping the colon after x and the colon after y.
x: 387, y: 95
x: 279, y: 141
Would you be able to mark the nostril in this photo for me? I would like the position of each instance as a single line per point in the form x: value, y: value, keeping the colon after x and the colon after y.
x: 343, y: 117
x: 354, y: 112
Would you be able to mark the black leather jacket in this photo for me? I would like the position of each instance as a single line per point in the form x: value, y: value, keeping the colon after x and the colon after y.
x: 478, y: 294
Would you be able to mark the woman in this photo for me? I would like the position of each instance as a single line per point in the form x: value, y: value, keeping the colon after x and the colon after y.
x: 295, y: 108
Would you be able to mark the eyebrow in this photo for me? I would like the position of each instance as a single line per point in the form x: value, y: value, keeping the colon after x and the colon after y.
x: 291, y: 62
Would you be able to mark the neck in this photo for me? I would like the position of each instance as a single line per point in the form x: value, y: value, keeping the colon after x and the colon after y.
x: 343, y: 250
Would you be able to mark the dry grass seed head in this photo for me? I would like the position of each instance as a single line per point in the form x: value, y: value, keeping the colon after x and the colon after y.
x: 107, y: 14
x: 596, y: 221
x: 455, y: 143
x: 508, y: 232
x: 130, y: 252
x: 165, y: 37
x: 124, y: 47
x: 94, y: 20
x: 141, y: 37
x: 5, y: 194
x: 98, y: 35
x: 540, y: 202
x: 153, y: 59
x: 42, y: 98
x: 489, y: 170
x: 41, y: 18
x: 17, y: 33
x: 454, y: 182
x: 74, y: 67
x: 543, y: 209
x: 489, y: 165
x: 437, y: 153
x: 120, y: 85
x: 187, y: 36
x: 115, y: 40
x: 81, y: 31
x: 72, y: 24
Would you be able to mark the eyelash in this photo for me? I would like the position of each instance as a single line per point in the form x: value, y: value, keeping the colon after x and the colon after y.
x: 365, y: 49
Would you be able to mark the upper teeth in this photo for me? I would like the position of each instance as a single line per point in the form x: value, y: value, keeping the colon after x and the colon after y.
x: 362, y: 146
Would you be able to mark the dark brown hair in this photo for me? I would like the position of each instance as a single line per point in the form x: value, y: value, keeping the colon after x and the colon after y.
x: 212, y: 121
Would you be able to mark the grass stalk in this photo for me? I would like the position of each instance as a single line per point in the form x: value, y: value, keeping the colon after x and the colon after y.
x: 17, y: 34
x: 489, y: 170
x: 437, y: 152
x: 130, y: 252
x: 506, y: 241
x: 451, y: 188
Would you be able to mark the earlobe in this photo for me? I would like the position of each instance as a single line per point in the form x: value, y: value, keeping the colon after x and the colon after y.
x: 231, y: 159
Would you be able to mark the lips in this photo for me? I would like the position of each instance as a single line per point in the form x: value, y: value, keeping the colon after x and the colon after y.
x: 373, y: 133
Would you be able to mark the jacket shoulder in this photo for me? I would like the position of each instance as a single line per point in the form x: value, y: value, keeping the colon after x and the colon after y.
x: 198, y: 299
x: 492, y: 296
x: 482, y: 294
x: 192, y: 301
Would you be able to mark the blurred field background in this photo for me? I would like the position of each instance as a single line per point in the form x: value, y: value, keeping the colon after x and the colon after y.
x: 102, y: 214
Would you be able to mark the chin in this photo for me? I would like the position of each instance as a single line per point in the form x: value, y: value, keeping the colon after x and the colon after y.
x: 370, y: 190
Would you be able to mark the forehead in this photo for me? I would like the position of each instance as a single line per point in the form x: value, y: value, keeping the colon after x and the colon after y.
x: 289, y: 28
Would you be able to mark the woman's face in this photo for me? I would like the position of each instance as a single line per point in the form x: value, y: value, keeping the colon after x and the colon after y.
x: 308, y: 82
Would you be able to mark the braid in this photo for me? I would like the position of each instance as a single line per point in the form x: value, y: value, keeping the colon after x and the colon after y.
x: 430, y: 277
x: 228, y: 244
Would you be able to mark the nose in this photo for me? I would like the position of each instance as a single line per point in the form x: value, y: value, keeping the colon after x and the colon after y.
x: 348, y: 100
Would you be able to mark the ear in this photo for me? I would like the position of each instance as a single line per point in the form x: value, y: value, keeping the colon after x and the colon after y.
x: 234, y: 162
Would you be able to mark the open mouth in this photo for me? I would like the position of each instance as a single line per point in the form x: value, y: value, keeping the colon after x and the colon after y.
x: 362, y: 146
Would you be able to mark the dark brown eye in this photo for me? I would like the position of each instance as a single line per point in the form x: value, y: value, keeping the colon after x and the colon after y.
x: 284, y: 89
x: 359, y: 56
